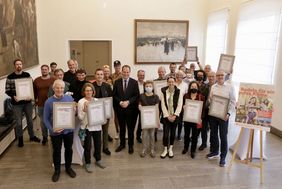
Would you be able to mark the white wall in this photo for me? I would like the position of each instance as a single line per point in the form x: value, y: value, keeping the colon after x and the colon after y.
x: 60, y: 21
x: 234, y: 7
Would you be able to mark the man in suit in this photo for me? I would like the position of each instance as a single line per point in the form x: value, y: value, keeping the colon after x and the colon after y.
x: 126, y: 97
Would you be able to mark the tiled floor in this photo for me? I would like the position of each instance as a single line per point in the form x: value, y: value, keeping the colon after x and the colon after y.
x: 30, y: 167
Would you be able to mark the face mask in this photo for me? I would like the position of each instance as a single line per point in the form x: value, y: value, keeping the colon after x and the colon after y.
x: 148, y: 89
x: 194, y: 90
x: 200, y: 78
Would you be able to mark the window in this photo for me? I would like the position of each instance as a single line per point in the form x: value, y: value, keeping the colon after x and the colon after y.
x: 257, y: 42
x: 216, y: 37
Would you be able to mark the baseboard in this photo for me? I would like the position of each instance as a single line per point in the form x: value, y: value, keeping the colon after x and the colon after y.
x: 276, y: 132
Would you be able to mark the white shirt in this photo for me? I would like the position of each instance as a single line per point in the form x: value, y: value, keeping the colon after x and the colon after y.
x: 141, y: 87
x: 226, y: 90
x: 83, y: 117
x: 165, y: 110
x: 183, y: 87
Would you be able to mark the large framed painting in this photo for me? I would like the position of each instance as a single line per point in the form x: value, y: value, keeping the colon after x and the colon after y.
x: 18, y: 35
x: 160, y: 41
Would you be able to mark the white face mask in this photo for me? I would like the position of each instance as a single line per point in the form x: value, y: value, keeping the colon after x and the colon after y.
x: 149, y: 89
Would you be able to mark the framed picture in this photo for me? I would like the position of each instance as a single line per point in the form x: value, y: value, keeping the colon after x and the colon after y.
x: 24, y: 89
x: 219, y: 107
x: 96, y: 113
x: 160, y: 41
x: 158, y: 85
x: 63, y: 115
x: 226, y: 63
x: 108, y: 104
x: 192, y: 54
x: 192, y: 111
x: 149, y: 116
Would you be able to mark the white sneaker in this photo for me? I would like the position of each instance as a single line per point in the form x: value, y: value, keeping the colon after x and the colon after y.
x: 170, y: 152
x: 89, y: 168
x: 164, y: 154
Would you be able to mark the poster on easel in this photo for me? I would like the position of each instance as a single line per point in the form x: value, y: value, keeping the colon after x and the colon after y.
x: 255, y: 104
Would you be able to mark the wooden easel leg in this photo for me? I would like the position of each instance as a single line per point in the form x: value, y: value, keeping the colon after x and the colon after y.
x: 252, y: 145
x: 235, y: 149
x: 261, y: 157
x: 248, y: 156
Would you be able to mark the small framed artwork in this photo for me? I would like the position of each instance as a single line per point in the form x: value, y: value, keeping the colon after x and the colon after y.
x: 226, y: 63
x: 192, y: 54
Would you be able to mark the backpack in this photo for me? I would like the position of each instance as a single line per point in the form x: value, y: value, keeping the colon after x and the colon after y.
x: 8, y: 116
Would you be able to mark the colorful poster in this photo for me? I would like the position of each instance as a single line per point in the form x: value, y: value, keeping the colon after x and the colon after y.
x: 255, y: 104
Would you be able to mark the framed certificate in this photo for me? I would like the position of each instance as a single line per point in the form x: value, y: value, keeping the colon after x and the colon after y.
x: 24, y: 89
x: 158, y: 85
x: 192, y: 111
x: 192, y: 54
x: 96, y: 113
x: 226, y: 63
x: 63, y: 115
x: 108, y: 104
x: 219, y: 107
x: 149, y: 116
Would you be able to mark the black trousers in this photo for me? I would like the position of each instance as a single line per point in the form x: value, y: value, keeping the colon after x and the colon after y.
x: 169, y: 129
x: 139, y: 129
x: 180, y: 125
x: 127, y: 121
x: 204, y: 130
x: 220, y: 125
x: 96, y: 135
x: 57, y: 146
x: 188, y: 126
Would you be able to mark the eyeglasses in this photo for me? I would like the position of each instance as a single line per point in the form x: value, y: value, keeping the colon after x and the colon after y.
x: 219, y: 75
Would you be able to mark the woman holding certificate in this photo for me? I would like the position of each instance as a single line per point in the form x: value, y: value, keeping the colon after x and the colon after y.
x: 193, y: 114
x: 171, y: 105
x: 92, y: 131
x: 59, y: 116
x: 149, y: 99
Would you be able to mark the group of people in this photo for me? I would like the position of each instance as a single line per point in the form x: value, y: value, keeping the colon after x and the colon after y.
x: 129, y: 95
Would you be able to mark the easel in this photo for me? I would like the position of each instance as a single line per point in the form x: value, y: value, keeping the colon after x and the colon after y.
x: 249, y: 156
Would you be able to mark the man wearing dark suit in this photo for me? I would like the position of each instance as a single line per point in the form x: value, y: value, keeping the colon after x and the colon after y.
x: 126, y: 97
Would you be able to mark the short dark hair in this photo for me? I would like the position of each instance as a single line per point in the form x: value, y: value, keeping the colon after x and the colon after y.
x: 126, y: 66
x: 170, y: 78
x: 17, y: 60
x: 53, y: 63
x: 58, y: 70
x: 117, y: 63
x: 80, y: 71
x: 98, y: 69
x: 189, y: 88
x: 172, y: 64
x: 44, y: 65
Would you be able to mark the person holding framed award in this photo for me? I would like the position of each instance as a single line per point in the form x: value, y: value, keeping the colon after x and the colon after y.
x: 92, y: 130
x: 148, y: 99
x: 195, y: 95
x: 171, y: 105
x: 60, y: 134
x: 222, y: 104
x: 21, y: 104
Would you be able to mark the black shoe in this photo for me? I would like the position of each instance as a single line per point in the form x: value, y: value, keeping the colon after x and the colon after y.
x: 120, y: 148
x: 20, y: 144
x: 56, y: 176
x: 71, y: 172
x: 130, y: 150
x: 192, y: 155
x: 202, y: 147
x: 222, y: 163
x: 212, y: 155
x: 184, y: 151
x: 107, y: 151
x: 34, y: 139
x: 110, y: 139
x: 44, y: 141
x: 139, y: 140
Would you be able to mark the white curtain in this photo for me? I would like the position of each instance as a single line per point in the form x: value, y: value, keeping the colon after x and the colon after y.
x: 257, y: 41
x: 216, y: 37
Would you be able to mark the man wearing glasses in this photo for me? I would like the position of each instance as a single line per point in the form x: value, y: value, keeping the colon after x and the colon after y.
x: 221, y: 88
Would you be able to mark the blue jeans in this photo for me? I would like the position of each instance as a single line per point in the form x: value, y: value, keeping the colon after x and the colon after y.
x: 18, y: 116
x: 44, y: 130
